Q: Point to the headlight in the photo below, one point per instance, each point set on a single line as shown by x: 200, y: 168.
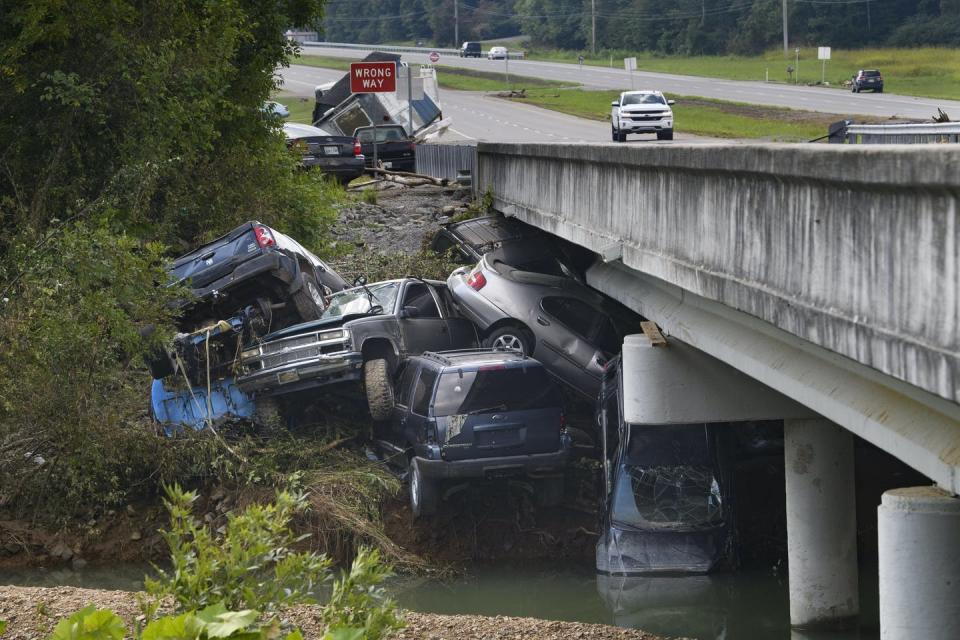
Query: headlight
x: 250, y: 353
x: 337, y: 334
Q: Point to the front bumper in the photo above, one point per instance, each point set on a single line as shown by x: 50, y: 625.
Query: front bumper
x: 304, y: 374
x: 534, y: 465
x: 646, y: 126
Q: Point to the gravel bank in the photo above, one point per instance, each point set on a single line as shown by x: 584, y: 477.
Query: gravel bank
x: 33, y: 611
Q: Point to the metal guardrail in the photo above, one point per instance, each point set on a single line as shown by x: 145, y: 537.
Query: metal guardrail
x: 513, y: 55
x: 903, y: 133
x: 446, y: 160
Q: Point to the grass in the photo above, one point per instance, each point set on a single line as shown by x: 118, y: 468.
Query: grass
x: 931, y: 71
x: 701, y: 116
x: 447, y: 77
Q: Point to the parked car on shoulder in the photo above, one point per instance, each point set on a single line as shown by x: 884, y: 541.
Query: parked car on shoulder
x: 364, y: 335
x: 572, y: 329
x: 395, y: 150
x: 641, y: 112
x: 666, y: 487
x: 497, y: 53
x: 470, y: 50
x: 338, y: 156
x: 867, y: 79
x: 475, y: 414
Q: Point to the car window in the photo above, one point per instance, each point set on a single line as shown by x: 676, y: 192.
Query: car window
x: 423, y: 390
x: 418, y: 295
x: 406, y: 384
x: 495, y: 389
x: 576, y: 315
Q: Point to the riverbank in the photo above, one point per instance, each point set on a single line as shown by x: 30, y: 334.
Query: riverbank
x: 31, y: 613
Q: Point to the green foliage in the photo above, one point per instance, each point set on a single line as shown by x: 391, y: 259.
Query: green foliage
x: 359, y: 607
x: 3, y: 626
x: 90, y: 624
x: 369, y: 196
x: 250, y: 565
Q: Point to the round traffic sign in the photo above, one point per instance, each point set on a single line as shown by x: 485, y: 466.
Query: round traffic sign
x: 434, y: 56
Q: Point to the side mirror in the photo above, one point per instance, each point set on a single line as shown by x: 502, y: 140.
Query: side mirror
x: 614, y: 104
x: 671, y: 101
x: 409, y: 312
x: 359, y: 281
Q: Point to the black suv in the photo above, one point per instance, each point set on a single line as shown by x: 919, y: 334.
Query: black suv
x: 867, y: 79
x: 470, y: 50
x: 477, y: 414
x: 365, y: 333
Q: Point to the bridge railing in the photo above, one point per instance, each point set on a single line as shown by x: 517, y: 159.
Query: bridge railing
x: 945, y: 132
x: 513, y: 55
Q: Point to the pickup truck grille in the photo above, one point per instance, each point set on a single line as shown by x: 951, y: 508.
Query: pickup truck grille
x: 289, y: 350
x: 643, y: 117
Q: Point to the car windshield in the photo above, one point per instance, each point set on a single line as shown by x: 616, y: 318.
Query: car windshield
x: 642, y: 98
x: 495, y: 389
x: 667, y: 480
x: 356, y: 301
x: 391, y: 134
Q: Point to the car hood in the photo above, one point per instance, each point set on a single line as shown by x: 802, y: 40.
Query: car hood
x: 645, y: 108
x: 306, y: 327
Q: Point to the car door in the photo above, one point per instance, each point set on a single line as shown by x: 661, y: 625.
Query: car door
x: 463, y: 333
x: 568, y: 327
x: 422, y: 326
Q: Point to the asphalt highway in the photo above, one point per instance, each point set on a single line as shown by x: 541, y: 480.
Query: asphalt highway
x: 826, y: 100
x: 476, y: 117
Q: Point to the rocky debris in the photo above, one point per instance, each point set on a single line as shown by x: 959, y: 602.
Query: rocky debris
x: 32, y: 612
x: 401, y: 219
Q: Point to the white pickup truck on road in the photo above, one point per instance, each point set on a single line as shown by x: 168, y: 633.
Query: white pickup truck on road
x: 641, y: 112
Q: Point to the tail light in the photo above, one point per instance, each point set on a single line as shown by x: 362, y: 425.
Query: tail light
x: 264, y: 237
x: 477, y: 281
x: 357, y: 149
x: 413, y: 146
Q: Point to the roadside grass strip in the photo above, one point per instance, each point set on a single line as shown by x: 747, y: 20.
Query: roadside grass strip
x: 930, y: 71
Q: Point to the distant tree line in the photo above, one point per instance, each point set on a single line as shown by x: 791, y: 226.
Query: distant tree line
x: 693, y: 27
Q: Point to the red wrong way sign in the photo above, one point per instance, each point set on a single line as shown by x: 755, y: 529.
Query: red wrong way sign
x: 434, y: 56
x: 373, y: 77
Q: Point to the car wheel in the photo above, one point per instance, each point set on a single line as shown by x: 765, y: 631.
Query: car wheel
x: 614, y: 134
x: 423, y: 492
x: 880, y: 90
x: 376, y: 379
x: 665, y: 135
x: 550, y: 491
x: 510, y: 338
x: 308, y: 299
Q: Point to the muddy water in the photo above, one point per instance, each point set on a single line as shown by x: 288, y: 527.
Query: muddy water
x: 747, y: 605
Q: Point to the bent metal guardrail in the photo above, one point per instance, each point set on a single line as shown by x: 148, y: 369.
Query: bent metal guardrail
x: 944, y: 132
x: 513, y: 55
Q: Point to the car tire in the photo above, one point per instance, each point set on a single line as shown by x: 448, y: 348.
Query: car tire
x: 665, y: 135
x: 550, y: 491
x: 880, y: 90
x: 510, y: 338
x: 424, y: 496
x: 376, y: 379
x: 308, y: 298
x: 614, y: 134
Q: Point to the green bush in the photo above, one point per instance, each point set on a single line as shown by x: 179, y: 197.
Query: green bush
x: 359, y: 602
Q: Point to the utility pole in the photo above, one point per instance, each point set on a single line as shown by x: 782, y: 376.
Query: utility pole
x: 593, y: 27
x: 786, y: 39
x: 456, y: 24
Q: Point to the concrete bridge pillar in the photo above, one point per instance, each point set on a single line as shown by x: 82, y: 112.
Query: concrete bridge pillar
x: 821, y: 524
x: 919, y: 553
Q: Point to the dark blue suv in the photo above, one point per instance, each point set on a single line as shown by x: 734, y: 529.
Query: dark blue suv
x: 477, y: 414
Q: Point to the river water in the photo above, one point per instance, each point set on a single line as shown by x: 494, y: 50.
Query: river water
x: 745, y: 605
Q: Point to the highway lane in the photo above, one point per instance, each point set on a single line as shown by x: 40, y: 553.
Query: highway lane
x: 783, y: 95
x: 476, y: 117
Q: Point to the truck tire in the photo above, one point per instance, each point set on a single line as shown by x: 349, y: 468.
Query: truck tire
x: 614, y: 134
x: 308, y: 298
x: 376, y: 379
x: 666, y: 134
x: 510, y: 337
x: 550, y: 491
x: 423, y: 492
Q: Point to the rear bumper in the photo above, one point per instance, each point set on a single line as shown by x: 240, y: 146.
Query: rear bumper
x: 270, y: 261
x: 340, y: 167
x: 304, y: 374
x: 534, y: 465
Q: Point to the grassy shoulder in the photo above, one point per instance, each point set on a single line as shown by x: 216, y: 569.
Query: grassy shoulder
x: 447, y: 77
x: 700, y: 116
x: 931, y: 71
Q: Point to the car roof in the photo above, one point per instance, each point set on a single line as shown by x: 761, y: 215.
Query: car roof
x: 294, y: 130
x: 479, y: 232
x: 476, y: 357
x: 644, y: 91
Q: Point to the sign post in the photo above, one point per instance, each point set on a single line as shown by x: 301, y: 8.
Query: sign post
x: 823, y: 53
x: 796, y: 79
x: 631, y: 65
x: 373, y: 77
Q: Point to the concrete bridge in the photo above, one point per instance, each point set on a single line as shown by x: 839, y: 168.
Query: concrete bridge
x: 829, y: 273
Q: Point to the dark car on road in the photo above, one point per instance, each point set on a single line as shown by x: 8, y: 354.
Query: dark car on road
x: 395, y: 150
x: 338, y: 156
x: 867, y: 79
x: 667, y: 503
x: 470, y: 50
x: 365, y: 334
x: 572, y: 329
x: 476, y: 414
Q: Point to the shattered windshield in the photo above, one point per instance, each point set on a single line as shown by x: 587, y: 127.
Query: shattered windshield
x: 667, y: 480
x: 356, y: 301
